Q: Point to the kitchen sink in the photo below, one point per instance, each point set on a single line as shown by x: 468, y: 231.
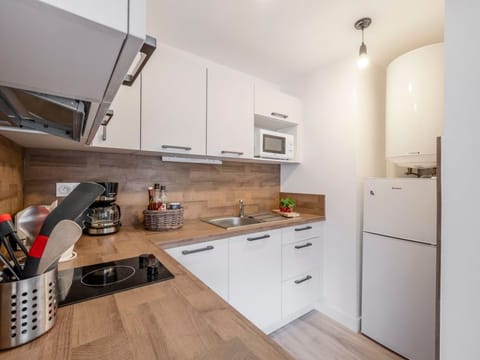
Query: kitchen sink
x: 229, y: 222
x: 232, y: 221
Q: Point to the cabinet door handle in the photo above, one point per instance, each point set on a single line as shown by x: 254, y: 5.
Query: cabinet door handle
x: 104, y: 123
x: 206, y: 248
x: 232, y: 152
x: 186, y: 148
x: 258, y: 238
x: 148, y: 47
x: 283, y: 116
x: 304, y: 228
x: 414, y: 153
x: 306, y: 278
x: 303, y: 246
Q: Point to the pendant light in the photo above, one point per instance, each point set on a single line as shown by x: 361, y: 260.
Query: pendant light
x: 363, y: 60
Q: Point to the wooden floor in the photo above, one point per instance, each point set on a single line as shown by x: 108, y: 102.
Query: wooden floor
x: 315, y: 336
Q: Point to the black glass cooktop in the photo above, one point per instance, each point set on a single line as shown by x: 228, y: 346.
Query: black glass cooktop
x: 88, y: 282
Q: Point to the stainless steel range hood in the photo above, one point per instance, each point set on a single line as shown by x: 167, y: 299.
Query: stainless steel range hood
x: 62, y: 62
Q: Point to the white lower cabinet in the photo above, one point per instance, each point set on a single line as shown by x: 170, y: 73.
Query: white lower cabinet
x: 270, y: 277
x: 301, y: 256
x: 301, y: 269
x: 208, y: 261
x: 300, y: 293
x: 301, y: 232
x: 255, y: 277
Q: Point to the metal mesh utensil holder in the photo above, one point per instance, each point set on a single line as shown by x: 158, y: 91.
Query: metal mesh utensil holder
x: 28, y: 308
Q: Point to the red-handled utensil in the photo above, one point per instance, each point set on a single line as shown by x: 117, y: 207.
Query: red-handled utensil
x: 7, y: 230
x: 71, y: 208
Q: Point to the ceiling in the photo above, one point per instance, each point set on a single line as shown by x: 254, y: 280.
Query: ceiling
x: 280, y: 40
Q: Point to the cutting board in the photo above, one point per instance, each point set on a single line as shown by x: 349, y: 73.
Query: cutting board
x: 286, y: 214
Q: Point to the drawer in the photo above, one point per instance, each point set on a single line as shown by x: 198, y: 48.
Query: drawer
x: 302, y: 232
x: 208, y: 261
x: 301, y: 292
x: 300, y: 256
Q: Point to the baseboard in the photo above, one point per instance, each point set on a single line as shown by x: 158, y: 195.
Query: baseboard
x: 353, y: 323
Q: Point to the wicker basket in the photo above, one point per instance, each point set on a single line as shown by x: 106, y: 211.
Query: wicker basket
x: 163, y: 220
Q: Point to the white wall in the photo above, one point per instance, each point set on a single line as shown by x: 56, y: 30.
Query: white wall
x: 343, y: 142
x: 460, y: 293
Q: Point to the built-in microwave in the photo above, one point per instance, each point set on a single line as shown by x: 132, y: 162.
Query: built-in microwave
x: 274, y: 145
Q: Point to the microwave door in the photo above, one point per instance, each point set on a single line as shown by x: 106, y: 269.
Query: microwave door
x: 274, y: 144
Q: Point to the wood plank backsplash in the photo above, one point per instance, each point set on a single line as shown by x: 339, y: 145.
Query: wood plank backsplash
x: 204, y: 190
x: 11, y: 176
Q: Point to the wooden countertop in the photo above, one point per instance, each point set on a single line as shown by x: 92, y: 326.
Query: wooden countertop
x: 175, y: 319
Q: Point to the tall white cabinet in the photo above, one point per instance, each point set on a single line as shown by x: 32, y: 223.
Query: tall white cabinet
x: 229, y: 113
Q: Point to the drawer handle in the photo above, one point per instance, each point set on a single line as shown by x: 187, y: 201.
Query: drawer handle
x: 186, y: 148
x: 239, y: 153
x: 306, y: 278
x: 303, y: 246
x: 206, y: 248
x: 258, y: 238
x: 280, y: 115
x: 304, y: 228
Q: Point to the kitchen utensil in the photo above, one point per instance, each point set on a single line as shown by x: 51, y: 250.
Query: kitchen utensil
x: 71, y: 208
x: 68, y: 255
x: 16, y: 265
x: 9, y: 266
x: 28, y: 308
x: 7, y: 230
x: 29, y: 221
x: 65, y: 234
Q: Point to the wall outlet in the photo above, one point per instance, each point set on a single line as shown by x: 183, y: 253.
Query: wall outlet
x: 63, y: 189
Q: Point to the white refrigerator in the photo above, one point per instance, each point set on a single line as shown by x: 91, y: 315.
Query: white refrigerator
x: 398, y: 265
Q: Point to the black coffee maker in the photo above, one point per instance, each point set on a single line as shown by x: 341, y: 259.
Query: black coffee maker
x: 103, y: 216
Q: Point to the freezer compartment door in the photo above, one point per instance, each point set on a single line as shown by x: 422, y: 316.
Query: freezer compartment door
x: 402, y: 208
x: 398, y: 295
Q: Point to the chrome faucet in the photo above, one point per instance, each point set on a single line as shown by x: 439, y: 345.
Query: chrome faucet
x: 242, y: 209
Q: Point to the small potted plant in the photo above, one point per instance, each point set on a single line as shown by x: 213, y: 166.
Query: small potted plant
x: 287, y: 205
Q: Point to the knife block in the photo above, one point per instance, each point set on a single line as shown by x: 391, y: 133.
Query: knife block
x: 28, y: 308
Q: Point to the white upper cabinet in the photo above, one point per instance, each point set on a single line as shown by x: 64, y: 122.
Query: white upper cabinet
x: 123, y: 129
x: 112, y: 13
x: 229, y: 113
x: 414, y: 106
x: 174, y: 99
x: 276, y: 108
